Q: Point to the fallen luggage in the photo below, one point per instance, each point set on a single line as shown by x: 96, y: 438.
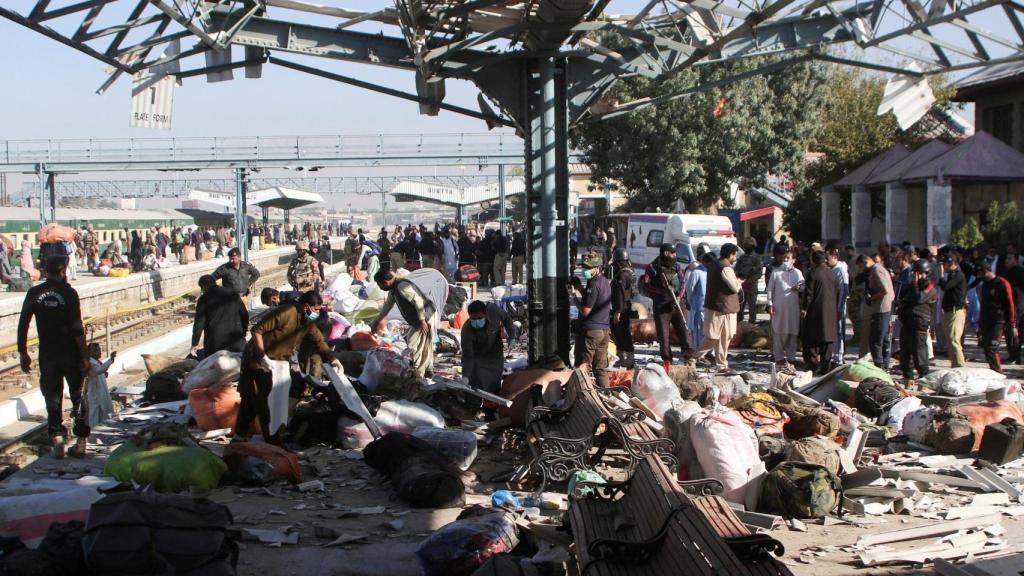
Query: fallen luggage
x: 982, y: 414
x: 221, y: 367
x: 392, y: 416
x: 133, y: 533
x: 467, y: 273
x: 654, y: 387
x: 459, y: 548
x: 727, y: 451
x: 215, y: 408
x: 63, y: 545
x: 419, y: 474
x: 1002, y: 442
x: 874, y: 396
x: 167, y: 468
x: 816, y: 450
x: 165, y: 384
x: 950, y: 432
x: 800, y: 490
x: 458, y: 446
x: 28, y: 516
x: 283, y: 463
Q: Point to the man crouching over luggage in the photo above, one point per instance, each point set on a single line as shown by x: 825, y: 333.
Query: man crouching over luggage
x: 275, y: 338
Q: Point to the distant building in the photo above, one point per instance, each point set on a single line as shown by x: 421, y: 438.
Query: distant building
x: 998, y: 96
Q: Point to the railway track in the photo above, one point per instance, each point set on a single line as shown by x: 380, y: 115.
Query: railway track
x: 125, y: 330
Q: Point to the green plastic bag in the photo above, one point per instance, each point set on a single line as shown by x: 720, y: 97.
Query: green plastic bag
x: 168, y: 468
x: 584, y: 476
x: 863, y: 369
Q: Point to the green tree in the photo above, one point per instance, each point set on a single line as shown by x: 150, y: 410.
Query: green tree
x: 850, y: 132
x: 968, y: 235
x: 693, y: 147
x: 1002, y: 224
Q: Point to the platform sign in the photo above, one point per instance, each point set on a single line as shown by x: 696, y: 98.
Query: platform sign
x: 152, y: 101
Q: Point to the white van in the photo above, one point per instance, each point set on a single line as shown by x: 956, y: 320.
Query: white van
x: 642, y: 234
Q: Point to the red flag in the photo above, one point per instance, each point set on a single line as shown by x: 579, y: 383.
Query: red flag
x: 718, y: 109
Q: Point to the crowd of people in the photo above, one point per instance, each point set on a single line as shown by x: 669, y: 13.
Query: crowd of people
x: 902, y: 302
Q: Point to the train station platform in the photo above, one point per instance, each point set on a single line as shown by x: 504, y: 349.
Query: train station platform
x: 104, y: 295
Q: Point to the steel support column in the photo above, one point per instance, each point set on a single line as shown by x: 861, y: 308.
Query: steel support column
x: 501, y: 198
x: 383, y: 209
x: 547, y: 199
x: 42, y: 194
x: 51, y: 184
x: 241, y: 222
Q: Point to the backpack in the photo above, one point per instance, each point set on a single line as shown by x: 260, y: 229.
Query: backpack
x: 950, y: 432
x: 800, y: 490
x: 19, y: 284
x: 147, y: 533
x: 467, y: 273
x: 875, y: 396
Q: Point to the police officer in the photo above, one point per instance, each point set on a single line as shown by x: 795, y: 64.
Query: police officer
x: 916, y: 307
x: 62, y: 353
x: 663, y: 282
x: 623, y: 291
x: 997, y: 312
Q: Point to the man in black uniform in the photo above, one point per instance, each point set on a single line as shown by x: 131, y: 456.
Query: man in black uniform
x: 663, y: 282
x: 237, y: 275
x: 1014, y: 274
x: 221, y: 319
x: 623, y: 291
x: 997, y: 312
x: 62, y: 352
x: 916, y: 308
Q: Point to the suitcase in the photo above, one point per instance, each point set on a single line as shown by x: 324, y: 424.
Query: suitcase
x: 1002, y: 442
x: 467, y: 273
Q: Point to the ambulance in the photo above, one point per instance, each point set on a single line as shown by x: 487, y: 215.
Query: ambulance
x: 642, y: 234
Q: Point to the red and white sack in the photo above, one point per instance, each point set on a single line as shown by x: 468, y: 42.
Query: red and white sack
x: 382, y: 362
x: 656, y: 389
x: 726, y: 448
x: 29, y: 517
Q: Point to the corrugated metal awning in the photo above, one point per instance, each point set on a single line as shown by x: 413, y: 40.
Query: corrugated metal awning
x: 759, y: 213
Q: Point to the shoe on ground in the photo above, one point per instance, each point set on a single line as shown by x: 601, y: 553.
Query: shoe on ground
x: 78, y: 450
x: 58, y: 447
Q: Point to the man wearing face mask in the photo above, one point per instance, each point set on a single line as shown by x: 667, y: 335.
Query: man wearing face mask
x: 595, y: 310
x: 916, y: 306
x: 62, y: 351
x: 723, y: 304
x: 275, y: 338
x: 663, y: 283
x: 483, y: 351
x: 418, y: 312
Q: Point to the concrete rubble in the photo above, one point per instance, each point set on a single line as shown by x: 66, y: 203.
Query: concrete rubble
x: 900, y: 504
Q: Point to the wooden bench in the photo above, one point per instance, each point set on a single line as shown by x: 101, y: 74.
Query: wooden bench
x: 562, y: 438
x: 648, y: 526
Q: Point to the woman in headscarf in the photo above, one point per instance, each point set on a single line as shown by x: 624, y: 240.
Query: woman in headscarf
x: 136, y: 254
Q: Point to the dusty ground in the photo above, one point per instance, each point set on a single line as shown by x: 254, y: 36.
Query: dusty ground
x: 375, y: 541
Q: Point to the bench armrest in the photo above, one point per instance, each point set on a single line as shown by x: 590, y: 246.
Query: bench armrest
x: 702, y: 487
x: 755, y: 547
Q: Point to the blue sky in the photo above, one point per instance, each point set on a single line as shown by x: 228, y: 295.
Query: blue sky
x: 50, y: 93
